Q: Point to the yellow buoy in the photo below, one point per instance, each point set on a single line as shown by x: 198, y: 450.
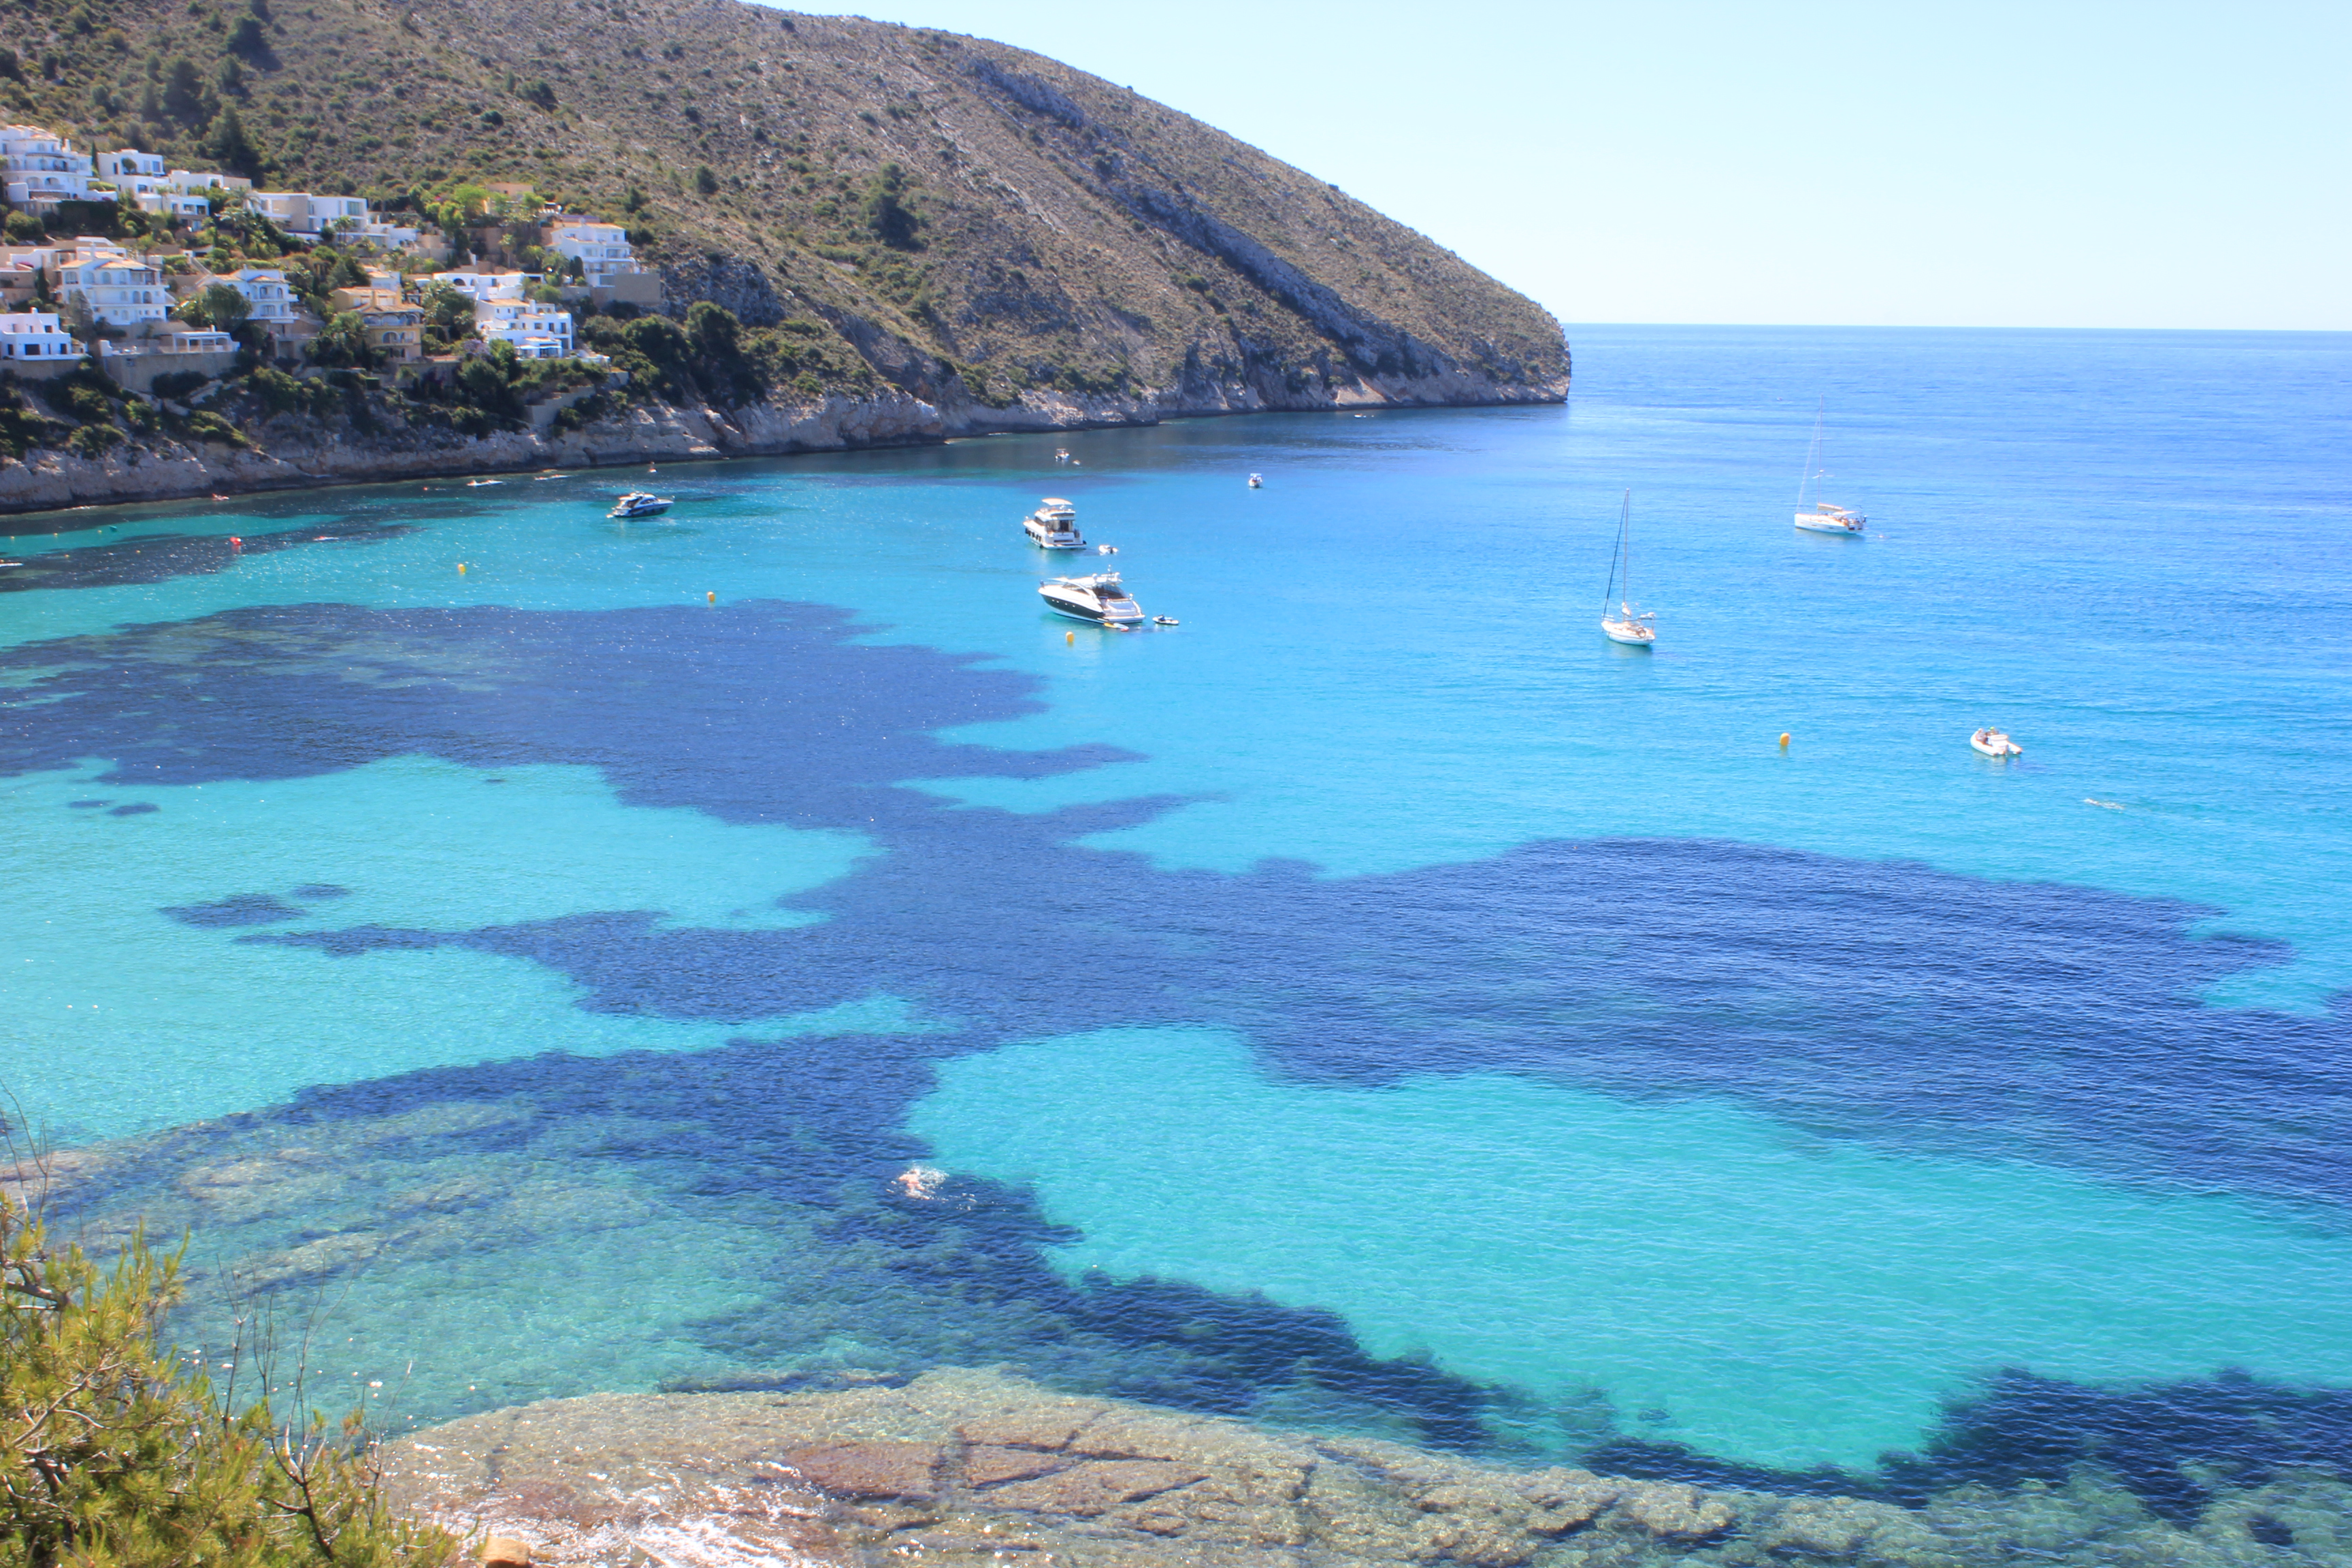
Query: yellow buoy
x: 710, y: 598
x: 1069, y: 637
x: 461, y: 569
x: 1784, y: 739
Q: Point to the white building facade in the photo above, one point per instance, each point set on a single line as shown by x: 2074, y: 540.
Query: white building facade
x: 299, y: 212
x: 602, y: 249
x: 39, y: 169
x: 525, y: 322
x: 113, y: 285
x: 264, y: 290
x: 37, y: 335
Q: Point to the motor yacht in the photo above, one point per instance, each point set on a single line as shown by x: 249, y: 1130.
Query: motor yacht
x: 1257, y: 482
x: 641, y: 503
x: 1991, y: 743
x: 1054, y: 525
x: 1098, y: 599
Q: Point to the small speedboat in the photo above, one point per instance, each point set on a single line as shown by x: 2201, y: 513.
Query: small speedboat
x: 1991, y: 743
x: 1099, y: 600
x: 1256, y: 483
x: 1061, y: 454
x: 477, y: 484
x: 1054, y: 525
x: 641, y: 503
x: 1163, y: 620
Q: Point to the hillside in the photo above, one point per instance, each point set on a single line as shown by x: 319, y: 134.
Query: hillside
x: 1008, y: 239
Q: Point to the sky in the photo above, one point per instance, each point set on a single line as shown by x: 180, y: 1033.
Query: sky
x: 2053, y: 164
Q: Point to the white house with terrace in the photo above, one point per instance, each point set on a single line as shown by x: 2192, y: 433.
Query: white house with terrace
x: 536, y: 331
x: 114, y: 286
x: 264, y: 290
x: 299, y: 212
x: 602, y: 249
x: 37, y: 335
x: 39, y: 169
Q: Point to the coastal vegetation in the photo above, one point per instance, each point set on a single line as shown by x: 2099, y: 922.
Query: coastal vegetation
x: 116, y: 1449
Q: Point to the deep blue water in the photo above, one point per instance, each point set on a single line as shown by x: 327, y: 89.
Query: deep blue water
x: 1378, y: 1001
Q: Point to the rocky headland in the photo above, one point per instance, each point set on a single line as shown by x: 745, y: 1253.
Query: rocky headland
x: 918, y: 235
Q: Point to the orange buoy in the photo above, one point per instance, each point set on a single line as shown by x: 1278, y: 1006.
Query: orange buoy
x: 461, y: 569
x: 1784, y: 739
x: 710, y: 598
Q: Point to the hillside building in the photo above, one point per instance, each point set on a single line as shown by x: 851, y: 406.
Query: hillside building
x: 394, y: 326
x: 299, y: 212
x: 39, y: 169
x: 114, y: 286
x: 603, y: 250
x: 264, y: 290
x: 37, y: 335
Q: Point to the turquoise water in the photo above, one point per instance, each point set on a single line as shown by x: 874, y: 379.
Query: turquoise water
x: 1380, y: 954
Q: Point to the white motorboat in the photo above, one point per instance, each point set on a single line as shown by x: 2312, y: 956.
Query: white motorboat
x: 1256, y: 483
x: 1054, y: 525
x: 641, y: 503
x: 1627, y: 625
x: 1823, y: 517
x: 478, y: 484
x: 1061, y: 454
x: 1991, y: 743
x: 1098, y: 599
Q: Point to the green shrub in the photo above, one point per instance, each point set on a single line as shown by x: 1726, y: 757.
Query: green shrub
x: 206, y: 426
x: 706, y: 181
x: 21, y: 428
x: 177, y: 383
x: 113, y: 1451
x: 94, y: 440
x: 88, y: 403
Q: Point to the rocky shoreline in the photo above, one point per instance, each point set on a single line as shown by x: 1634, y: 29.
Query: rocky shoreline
x: 295, y: 455
x: 965, y: 1468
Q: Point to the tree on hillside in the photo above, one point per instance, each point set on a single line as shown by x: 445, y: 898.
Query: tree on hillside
x: 183, y: 93
x: 343, y: 341
x: 892, y: 223
x: 230, y: 145
x: 114, y: 1451
x: 217, y: 306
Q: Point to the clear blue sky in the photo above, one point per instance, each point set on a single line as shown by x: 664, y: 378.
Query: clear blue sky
x: 1965, y: 164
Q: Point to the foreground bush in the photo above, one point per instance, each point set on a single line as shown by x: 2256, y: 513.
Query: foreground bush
x: 113, y: 1453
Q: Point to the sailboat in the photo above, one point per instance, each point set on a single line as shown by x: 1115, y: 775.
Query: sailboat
x: 1824, y: 518
x: 1627, y: 626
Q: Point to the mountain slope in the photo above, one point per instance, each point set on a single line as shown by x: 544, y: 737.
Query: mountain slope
x: 988, y: 228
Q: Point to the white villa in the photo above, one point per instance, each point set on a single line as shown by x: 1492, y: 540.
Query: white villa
x: 39, y: 168
x: 36, y: 334
x: 141, y: 176
x: 536, y: 331
x: 602, y: 248
x: 299, y: 212
x: 264, y: 290
x: 482, y: 286
x: 116, y: 286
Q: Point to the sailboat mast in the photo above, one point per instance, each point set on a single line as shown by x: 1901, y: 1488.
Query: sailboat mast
x: 1812, y: 453
x: 1616, y: 550
x: 1625, y: 533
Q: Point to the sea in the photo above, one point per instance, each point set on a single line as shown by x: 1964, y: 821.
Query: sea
x: 761, y: 947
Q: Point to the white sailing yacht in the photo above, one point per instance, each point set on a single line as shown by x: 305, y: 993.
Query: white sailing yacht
x: 1824, y: 518
x: 1627, y: 626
